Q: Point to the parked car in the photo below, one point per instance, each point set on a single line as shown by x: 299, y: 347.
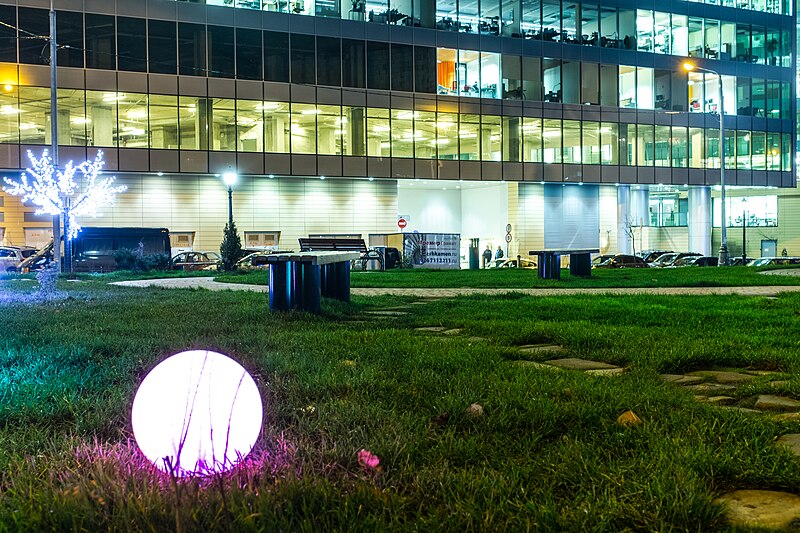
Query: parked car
x: 191, y: 261
x: 699, y: 261
x: 767, y: 261
x: 512, y: 263
x: 12, y: 256
x: 254, y: 261
x: 651, y: 255
x: 600, y: 259
x: 671, y: 259
x: 38, y: 261
x: 682, y: 259
x: 93, y: 249
x: 624, y: 261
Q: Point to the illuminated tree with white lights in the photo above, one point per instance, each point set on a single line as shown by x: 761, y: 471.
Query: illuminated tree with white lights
x: 55, y: 192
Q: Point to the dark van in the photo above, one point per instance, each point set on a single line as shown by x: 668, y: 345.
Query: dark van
x: 93, y: 248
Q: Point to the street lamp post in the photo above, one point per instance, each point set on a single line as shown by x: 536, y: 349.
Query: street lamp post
x: 54, y: 134
x: 744, y: 233
x: 723, y: 247
x: 229, y: 178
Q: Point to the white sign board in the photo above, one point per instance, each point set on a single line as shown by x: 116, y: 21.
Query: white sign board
x: 432, y: 250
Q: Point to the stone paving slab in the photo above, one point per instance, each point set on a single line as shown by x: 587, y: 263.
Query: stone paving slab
x: 776, y: 403
x: 722, y: 377
x: 534, y: 364
x: 608, y: 372
x: 432, y: 329
x: 761, y: 508
x: 574, y: 363
x: 680, y: 379
x: 790, y: 441
x: 709, y: 387
x: 540, y: 348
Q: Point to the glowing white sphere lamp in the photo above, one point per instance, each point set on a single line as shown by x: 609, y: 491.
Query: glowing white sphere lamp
x: 197, y: 413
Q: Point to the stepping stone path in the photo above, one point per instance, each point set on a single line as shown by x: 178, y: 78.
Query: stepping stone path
x: 761, y: 508
x: 596, y: 368
x: 387, y: 313
x: 716, y: 387
x: 540, y: 348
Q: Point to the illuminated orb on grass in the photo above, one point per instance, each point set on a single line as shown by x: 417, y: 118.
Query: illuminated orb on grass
x: 197, y: 413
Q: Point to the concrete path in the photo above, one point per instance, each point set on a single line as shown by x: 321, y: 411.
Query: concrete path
x: 192, y: 283
x: 210, y: 284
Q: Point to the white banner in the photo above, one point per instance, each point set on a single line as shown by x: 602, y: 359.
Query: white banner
x: 432, y: 250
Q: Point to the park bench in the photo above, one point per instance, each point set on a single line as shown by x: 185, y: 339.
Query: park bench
x: 341, y: 244
x: 297, y: 280
x: 549, y: 263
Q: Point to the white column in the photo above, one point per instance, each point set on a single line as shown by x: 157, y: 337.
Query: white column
x: 624, y: 245
x: 699, y: 219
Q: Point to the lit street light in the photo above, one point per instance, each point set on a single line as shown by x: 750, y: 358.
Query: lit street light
x: 723, y: 247
x: 229, y: 179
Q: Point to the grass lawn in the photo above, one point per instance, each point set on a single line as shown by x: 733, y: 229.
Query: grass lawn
x: 515, y: 278
x: 547, y: 455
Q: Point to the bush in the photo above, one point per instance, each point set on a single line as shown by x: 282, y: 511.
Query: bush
x: 138, y: 261
x: 231, y: 248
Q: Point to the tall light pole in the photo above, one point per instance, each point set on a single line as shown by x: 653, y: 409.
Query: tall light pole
x: 744, y: 232
x: 723, y: 247
x: 54, y: 131
x: 229, y: 179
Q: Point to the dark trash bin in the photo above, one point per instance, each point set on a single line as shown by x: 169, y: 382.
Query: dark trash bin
x: 474, y: 254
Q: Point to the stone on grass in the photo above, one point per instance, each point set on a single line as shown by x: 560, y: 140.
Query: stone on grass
x: 786, y: 417
x: 680, y: 379
x: 475, y: 410
x: 433, y: 329
x: 721, y: 400
x: 628, y: 418
x: 791, y: 441
x: 778, y: 384
x: 761, y: 508
x: 740, y: 409
x: 534, y: 364
x: 574, y: 363
x: 387, y: 313
x: 709, y: 387
x: 476, y: 339
x: 541, y: 348
x: 776, y: 403
x: 454, y: 331
x: 716, y: 400
x: 608, y: 372
x: 723, y: 377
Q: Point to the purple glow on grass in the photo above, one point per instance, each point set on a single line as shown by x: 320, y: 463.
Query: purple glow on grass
x: 197, y: 413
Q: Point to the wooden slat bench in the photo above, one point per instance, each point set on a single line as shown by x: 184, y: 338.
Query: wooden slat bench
x: 341, y: 244
x: 297, y: 280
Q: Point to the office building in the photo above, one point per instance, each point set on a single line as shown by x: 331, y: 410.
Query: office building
x: 566, y: 119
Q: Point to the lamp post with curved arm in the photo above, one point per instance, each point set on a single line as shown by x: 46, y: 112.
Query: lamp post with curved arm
x: 723, y: 247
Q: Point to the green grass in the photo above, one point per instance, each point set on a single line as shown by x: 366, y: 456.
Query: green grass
x: 513, y: 278
x: 547, y: 455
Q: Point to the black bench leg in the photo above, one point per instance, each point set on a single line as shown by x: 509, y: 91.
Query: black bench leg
x: 580, y: 265
x: 340, y: 274
x: 306, y: 283
x: 335, y: 280
x: 281, y: 297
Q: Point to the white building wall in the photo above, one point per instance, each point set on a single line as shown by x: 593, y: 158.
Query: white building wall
x: 484, y: 214
x: 293, y: 206
x: 430, y: 210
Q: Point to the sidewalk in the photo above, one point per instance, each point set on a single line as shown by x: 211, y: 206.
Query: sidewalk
x: 210, y: 284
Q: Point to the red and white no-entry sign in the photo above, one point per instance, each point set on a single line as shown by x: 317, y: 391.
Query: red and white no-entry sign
x: 402, y: 223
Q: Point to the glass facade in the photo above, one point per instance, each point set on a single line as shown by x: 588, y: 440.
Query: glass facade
x: 132, y: 120
x: 485, y: 17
